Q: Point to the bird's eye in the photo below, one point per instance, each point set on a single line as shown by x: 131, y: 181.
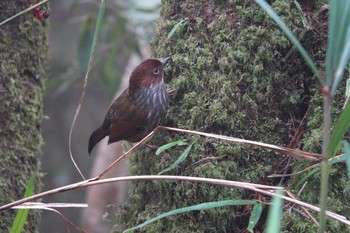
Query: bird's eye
x: 156, y: 71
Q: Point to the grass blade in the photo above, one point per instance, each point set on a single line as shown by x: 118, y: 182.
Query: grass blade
x: 274, y: 218
x: 178, y: 27
x: 338, y: 51
x: 203, y: 206
x: 254, y: 217
x: 22, y: 214
x: 169, y: 145
x: 340, y: 129
x: 178, y: 161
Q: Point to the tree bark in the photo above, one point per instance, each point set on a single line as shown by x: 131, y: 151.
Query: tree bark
x: 23, y: 55
x: 234, y: 73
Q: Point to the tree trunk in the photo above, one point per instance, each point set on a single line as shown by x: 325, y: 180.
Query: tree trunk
x: 23, y: 54
x: 235, y: 74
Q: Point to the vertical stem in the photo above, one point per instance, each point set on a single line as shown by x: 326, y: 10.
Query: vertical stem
x: 324, y: 174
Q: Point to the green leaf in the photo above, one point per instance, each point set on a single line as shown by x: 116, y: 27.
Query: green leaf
x: 338, y: 50
x: 254, y: 217
x: 274, y: 217
x: 203, y: 206
x: 340, y: 129
x: 291, y: 37
x: 347, y: 156
x: 178, y: 27
x: 99, y: 22
x: 178, y: 161
x: 301, y: 13
x: 171, y: 144
x: 22, y: 214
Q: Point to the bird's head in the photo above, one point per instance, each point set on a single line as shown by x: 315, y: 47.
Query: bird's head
x: 148, y: 74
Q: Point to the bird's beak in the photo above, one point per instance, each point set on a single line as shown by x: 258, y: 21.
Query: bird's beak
x: 165, y: 60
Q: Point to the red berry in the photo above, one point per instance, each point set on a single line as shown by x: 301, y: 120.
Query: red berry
x: 46, y: 15
x: 39, y: 15
x: 326, y: 90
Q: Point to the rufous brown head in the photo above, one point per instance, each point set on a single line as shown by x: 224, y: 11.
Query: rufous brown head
x: 148, y: 74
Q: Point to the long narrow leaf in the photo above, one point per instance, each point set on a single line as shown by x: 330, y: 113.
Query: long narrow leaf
x: 254, y: 217
x: 178, y: 27
x: 274, y: 218
x: 291, y: 37
x: 99, y: 22
x: 22, y: 214
x: 169, y: 145
x: 338, y: 51
x: 178, y: 161
x: 340, y: 129
x: 203, y: 206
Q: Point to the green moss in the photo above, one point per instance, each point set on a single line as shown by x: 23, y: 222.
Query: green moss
x: 23, y: 45
x: 230, y: 78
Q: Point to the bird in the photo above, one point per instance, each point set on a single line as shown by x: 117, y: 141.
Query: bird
x: 139, y: 109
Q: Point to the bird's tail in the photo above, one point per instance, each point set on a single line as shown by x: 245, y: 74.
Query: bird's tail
x: 95, y: 137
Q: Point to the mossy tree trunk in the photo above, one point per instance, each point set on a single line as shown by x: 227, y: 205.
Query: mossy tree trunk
x: 23, y: 54
x: 233, y: 75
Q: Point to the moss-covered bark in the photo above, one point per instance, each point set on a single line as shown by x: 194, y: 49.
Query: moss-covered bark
x: 23, y: 54
x: 232, y: 76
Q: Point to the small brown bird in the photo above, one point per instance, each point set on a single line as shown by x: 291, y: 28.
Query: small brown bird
x: 139, y: 109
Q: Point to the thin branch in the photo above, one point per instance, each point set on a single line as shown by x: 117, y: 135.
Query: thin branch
x: 305, y: 169
x: 307, y: 213
x: 127, y: 154
x: 66, y: 220
x: 283, y: 150
x: 264, y: 189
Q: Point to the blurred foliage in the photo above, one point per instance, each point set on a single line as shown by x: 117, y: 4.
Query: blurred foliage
x: 125, y: 25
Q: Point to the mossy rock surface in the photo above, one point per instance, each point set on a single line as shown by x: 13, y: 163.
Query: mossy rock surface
x: 23, y: 55
x: 234, y: 73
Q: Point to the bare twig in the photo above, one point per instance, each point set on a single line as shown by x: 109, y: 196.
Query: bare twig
x: 95, y: 181
x: 127, y: 154
x: 264, y: 189
x: 283, y: 150
x: 304, y: 209
x: 304, y: 170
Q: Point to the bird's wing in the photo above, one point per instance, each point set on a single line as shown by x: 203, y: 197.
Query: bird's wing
x: 124, y: 120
